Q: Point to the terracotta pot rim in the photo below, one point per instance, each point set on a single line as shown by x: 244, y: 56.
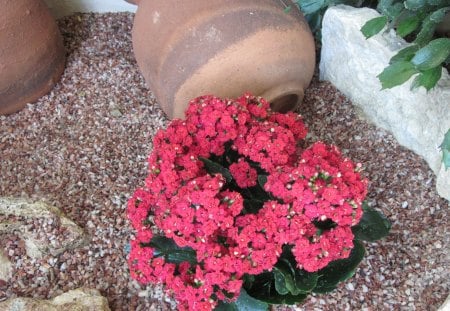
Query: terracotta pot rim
x: 285, y: 97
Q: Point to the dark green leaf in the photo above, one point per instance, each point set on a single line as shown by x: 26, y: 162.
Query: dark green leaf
x: 243, y: 303
x: 264, y: 289
x: 171, y: 252
x: 372, y: 226
x: 339, y: 270
x: 414, y: 5
x: 408, y: 25
x: 394, y: 11
x: 404, y: 54
x: 427, y: 78
x: 304, y: 281
x: 262, y: 179
x: 390, y: 9
x: 315, y: 22
x: 384, y: 5
x: 284, y: 282
x: 445, y: 146
x: 287, y: 9
x: 248, y: 303
x: 216, y: 168
x: 223, y: 306
x: 373, y: 26
x: 311, y: 6
x: 446, y: 158
x: 252, y: 206
x: 396, y: 74
x: 429, y: 24
x: 432, y: 55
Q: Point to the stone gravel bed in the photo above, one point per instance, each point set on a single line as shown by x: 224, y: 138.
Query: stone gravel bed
x: 83, y: 149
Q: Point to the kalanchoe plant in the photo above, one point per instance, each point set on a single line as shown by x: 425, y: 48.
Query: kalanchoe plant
x: 237, y: 215
x: 416, y: 20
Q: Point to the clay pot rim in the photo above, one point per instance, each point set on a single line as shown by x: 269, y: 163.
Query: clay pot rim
x: 284, y: 97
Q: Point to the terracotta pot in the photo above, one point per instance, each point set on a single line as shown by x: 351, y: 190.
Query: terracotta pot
x: 32, y: 54
x: 190, y: 48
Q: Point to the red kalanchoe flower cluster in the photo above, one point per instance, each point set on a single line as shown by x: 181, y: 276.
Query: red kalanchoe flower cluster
x: 212, y: 212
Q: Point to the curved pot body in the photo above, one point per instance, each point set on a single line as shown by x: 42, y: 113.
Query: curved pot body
x: 190, y: 48
x: 32, y: 54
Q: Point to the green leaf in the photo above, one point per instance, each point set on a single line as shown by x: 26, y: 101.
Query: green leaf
x: 339, y: 270
x: 252, y: 206
x: 223, y: 306
x: 408, y: 25
x: 427, y: 78
x: 432, y: 55
x: 396, y: 74
x: 304, y: 281
x: 315, y: 22
x: 414, y: 5
x: 445, y: 146
x: 243, y: 303
x: 372, y: 226
x: 311, y: 6
x: 263, y: 288
x: 429, y: 24
x: 216, y: 168
x: 390, y: 9
x: 284, y: 281
x: 262, y: 179
x: 404, y: 54
x: 373, y: 26
x: 167, y: 248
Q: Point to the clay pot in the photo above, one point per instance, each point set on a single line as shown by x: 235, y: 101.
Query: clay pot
x: 185, y: 49
x: 32, y: 54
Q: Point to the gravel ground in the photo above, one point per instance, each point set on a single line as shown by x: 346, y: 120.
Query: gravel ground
x: 83, y: 148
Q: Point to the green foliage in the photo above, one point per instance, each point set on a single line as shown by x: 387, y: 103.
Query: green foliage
x: 340, y: 270
x: 445, y: 146
x: 243, y: 303
x: 374, y: 26
x: 167, y: 248
x: 416, y: 20
x: 396, y: 74
x: 372, y: 226
x: 215, y: 168
x: 314, y: 9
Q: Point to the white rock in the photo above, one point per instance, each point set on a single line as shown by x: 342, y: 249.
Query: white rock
x: 417, y: 119
x: 36, y: 246
x: 5, y: 267
x: 82, y: 299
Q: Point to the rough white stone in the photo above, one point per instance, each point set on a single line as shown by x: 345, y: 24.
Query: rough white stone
x: 5, y: 267
x: 82, y: 299
x: 24, y: 210
x: 417, y: 119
